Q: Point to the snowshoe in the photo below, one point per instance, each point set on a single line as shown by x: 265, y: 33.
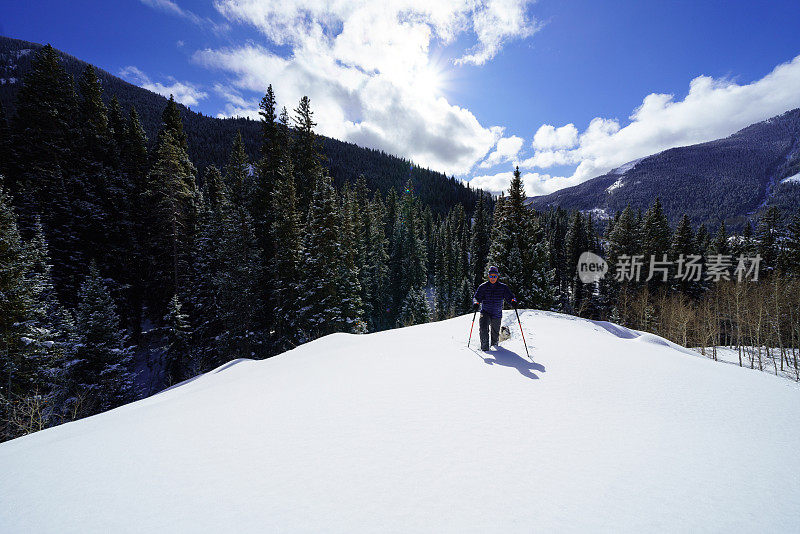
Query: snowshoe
x: 505, y: 333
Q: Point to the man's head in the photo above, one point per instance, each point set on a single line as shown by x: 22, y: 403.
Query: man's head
x: 493, y: 274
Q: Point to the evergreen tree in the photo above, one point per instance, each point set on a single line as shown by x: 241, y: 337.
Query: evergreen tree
x: 556, y: 226
x: 95, y: 134
x: 274, y: 152
x: 237, y: 293
x: 215, y: 192
x: 203, y: 304
x: 45, y: 132
x: 459, y: 246
x: 519, y: 249
x: 479, y: 247
x: 624, y: 237
x: 428, y: 230
x: 655, y: 239
x: 414, y: 309
x: 683, y: 246
x: 720, y: 244
x: 622, y: 240
x: 443, y: 270
x: 791, y: 256
x: 464, y: 302
x: 270, y: 174
x: 36, y: 333
x: 768, y: 227
x: 49, y: 327
x: 376, y: 266
x: 117, y: 132
x: 95, y: 193
x: 655, y: 231
x: 177, y: 351
x: 359, y: 198
x: 134, y: 164
x: 104, y: 209
x: 320, y: 269
x: 169, y: 197
x: 451, y: 264
x: 100, y: 369
x: 349, y: 276
x: 392, y: 208
x: 285, y: 233
x: 44, y: 127
x: 237, y: 173
x: 134, y: 150
x: 599, y: 303
x: 171, y: 201
x: 702, y: 240
x: 172, y: 125
x: 15, y: 303
x: 541, y: 287
x: 268, y: 111
x: 407, y: 268
x: 499, y: 236
x: 5, y: 144
x: 306, y: 154
x: 683, y: 241
x: 747, y: 245
x: 576, y: 244
x: 592, y: 239
x: 240, y: 267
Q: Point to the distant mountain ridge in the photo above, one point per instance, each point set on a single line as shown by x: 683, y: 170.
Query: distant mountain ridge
x: 210, y: 138
x: 730, y: 179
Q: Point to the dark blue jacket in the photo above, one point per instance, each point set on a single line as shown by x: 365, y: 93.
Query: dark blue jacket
x: 491, y: 297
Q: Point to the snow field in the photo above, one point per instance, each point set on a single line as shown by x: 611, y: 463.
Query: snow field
x: 411, y: 431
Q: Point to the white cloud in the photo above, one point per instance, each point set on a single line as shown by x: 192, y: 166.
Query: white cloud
x: 369, y: 70
x: 533, y: 182
x: 549, y: 137
x: 184, y: 92
x: 547, y: 158
x: 493, y: 183
x: 236, y: 104
x: 495, y: 23
x: 506, y: 149
x: 170, y: 7
x: 712, y: 109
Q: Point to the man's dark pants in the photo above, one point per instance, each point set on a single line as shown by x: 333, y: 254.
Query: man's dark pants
x: 485, y: 322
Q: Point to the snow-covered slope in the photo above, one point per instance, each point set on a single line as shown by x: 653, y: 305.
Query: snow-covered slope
x: 791, y: 179
x: 410, y: 431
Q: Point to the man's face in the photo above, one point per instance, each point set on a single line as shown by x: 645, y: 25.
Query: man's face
x: 493, y: 277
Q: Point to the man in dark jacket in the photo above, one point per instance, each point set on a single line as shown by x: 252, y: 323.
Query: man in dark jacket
x: 490, y: 296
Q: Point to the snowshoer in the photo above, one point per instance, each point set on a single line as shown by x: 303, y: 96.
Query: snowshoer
x: 489, y: 298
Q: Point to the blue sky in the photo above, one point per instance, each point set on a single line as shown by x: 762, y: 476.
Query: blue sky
x: 566, y: 89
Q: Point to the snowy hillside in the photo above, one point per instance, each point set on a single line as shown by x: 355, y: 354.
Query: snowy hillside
x: 410, y: 431
x: 729, y: 178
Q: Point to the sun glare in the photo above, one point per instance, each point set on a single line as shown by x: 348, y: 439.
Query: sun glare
x: 431, y: 78
x: 428, y: 79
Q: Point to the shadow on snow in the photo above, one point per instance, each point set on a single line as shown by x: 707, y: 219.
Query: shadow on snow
x: 506, y: 358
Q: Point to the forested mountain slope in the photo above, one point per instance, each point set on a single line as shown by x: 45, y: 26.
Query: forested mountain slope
x: 210, y: 138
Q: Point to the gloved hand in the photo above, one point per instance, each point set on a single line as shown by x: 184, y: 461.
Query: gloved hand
x: 475, y: 306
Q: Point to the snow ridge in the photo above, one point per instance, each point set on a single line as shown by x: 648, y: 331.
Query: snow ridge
x: 791, y: 179
x: 409, y: 430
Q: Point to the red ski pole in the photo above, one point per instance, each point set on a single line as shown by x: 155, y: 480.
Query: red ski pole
x: 470, y: 328
x: 521, y: 332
